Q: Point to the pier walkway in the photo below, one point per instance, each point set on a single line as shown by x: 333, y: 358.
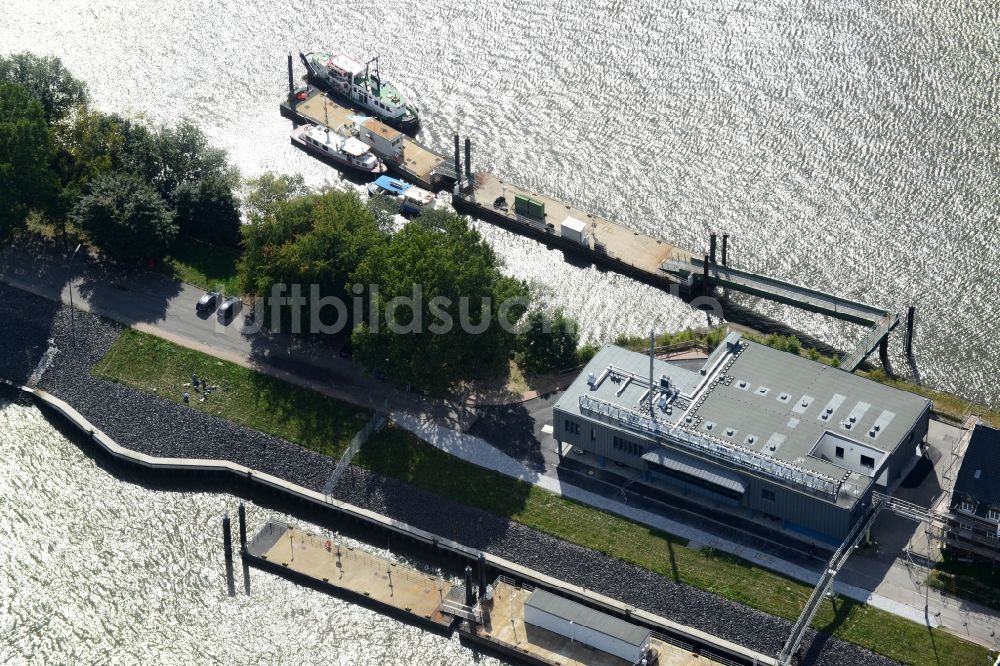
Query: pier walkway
x: 880, y: 322
x: 603, y: 241
x: 777, y: 290
x: 354, y: 572
x: 506, y: 628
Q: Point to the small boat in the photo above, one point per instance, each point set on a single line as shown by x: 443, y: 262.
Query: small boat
x: 361, y: 85
x: 415, y: 200
x: 387, y: 185
x: 343, y: 151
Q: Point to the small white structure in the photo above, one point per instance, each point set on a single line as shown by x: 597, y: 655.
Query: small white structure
x: 574, y: 230
x: 585, y: 625
x: 384, y: 140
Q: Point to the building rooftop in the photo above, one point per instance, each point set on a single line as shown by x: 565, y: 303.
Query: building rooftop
x: 583, y: 616
x: 778, y: 412
x: 979, y: 477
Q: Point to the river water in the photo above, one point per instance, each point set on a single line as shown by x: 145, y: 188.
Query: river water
x: 96, y: 570
x: 849, y: 145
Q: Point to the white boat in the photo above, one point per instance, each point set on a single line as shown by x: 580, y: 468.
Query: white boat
x: 415, y: 199
x: 343, y: 151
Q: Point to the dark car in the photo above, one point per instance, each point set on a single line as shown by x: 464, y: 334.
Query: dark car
x: 207, y: 303
x: 230, y: 308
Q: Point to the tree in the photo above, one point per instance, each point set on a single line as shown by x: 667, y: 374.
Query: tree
x: 179, y: 154
x: 26, y: 179
x: 208, y: 210
x: 267, y: 192
x: 125, y: 218
x: 548, y: 343
x: 415, y: 345
x: 47, y: 80
x: 316, y: 239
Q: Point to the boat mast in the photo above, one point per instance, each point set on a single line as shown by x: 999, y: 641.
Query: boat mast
x: 377, y: 78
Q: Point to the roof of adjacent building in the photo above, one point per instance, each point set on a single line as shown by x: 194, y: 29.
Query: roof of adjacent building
x: 979, y: 477
x: 582, y: 616
x: 778, y: 404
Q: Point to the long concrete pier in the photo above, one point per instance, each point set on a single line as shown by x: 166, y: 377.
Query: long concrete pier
x: 704, y: 643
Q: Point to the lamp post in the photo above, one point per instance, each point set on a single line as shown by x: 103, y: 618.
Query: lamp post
x: 72, y: 314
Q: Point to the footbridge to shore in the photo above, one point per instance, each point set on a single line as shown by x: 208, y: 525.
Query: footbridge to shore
x: 880, y: 322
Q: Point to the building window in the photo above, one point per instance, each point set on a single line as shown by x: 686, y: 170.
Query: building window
x: 839, y: 452
x: 965, y: 527
x: 593, y: 434
x: 868, y: 461
x: 967, y: 506
x: 572, y: 427
x: 993, y: 535
x: 767, y: 494
x: 993, y: 514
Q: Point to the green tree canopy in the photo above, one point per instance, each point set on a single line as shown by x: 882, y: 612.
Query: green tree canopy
x: 47, y: 80
x: 453, y: 263
x: 268, y: 191
x: 208, y: 210
x: 126, y: 218
x: 26, y: 179
x: 548, y: 342
x: 316, y: 239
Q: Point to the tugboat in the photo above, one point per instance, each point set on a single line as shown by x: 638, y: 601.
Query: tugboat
x: 361, y: 85
x: 343, y: 151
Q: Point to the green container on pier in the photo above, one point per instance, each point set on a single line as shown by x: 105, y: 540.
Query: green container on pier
x: 529, y: 207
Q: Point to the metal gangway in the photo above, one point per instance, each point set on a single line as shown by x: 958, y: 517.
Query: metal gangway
x: 879, y: 321
x: 868, y: 343
x: 825, y: 583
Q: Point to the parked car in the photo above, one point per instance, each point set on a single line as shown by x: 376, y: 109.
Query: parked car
x: 230, y: 308
x: 207, y: 303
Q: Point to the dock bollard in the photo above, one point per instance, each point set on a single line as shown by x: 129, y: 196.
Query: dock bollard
x: 242, y: 514
x: 468, y: 158
x: 482, y: 576
x: 705, y: 286
x: 908, y: 340
x: 227, y: 545
x: 469, y: 601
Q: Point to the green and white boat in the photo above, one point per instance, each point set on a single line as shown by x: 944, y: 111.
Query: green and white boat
x: 361, y: 85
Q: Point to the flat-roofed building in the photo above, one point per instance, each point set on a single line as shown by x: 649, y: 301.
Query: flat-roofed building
x: 754, y: 427
x: 585, y: 625
x: 975, y: 500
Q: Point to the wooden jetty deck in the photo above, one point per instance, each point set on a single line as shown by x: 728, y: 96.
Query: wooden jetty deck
x: 606, y: 243
x: 507, y: 632
x: 354, y: 574
x: 420, y: 165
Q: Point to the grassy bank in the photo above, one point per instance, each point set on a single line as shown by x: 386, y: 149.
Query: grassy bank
x: 203, y: 265
x: 322, y: 424
x: 243, y: 396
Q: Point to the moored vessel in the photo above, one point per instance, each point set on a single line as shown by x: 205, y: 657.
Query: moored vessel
x: 342, y: 151
x: 361, y: 85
